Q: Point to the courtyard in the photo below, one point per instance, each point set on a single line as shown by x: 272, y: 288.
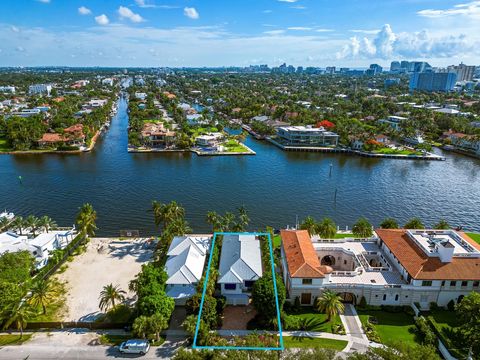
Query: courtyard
x: 105, y: 261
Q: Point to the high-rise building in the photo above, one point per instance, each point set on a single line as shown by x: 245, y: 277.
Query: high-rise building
x: 330, y: 70
x: 391, y: 82
x: 395, y: 66
x: 374, y: 69
x: 433, y: 81
x: 464, y: 72
x: 40, y: 89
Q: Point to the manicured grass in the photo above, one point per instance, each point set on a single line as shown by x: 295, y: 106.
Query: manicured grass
x: 343, y: 236
x: 391, y: 326
x: 389, y: 151
x: 316, y: 321
x: 234, y: 146
x: 306, y: 342
x: 276, y: 241
x: 6, y: 340
x: 474, y: 236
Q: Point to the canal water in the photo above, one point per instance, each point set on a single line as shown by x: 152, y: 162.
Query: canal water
x: 274, y: 186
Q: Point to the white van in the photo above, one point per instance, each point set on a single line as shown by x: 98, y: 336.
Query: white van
x: 134, y: 346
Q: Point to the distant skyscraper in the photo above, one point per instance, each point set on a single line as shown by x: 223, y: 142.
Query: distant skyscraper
x: 374, y: 69
x: 464, y: 72
x: 405, y: 65
x: 330, y: 70
x: 395, y: 66
x: 431, y: 81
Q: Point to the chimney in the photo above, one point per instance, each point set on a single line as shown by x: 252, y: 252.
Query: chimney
x: 445, y: 251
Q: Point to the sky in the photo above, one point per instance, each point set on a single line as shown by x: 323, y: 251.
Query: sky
x: 192, y: 33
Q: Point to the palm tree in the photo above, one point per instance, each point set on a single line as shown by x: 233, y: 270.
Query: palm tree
x: 327, y: 228
x: 42, y: 293
x: 173, y: 212
x: 362, y: 228
x: 109, y: 295
x: 18, y: 224
x: 389, y: 223
x: 442, y: 225
x: 32, y: 222
x: 309, y: 224
x: 86, y: 220
x: 19, y: 315
x: 157, y: 323
x: 140, y: 326
x: 46, y: 223
x: 330, y: 303
x: 243, y: 217
x: 227, y: 220
x: 414, y: 223
x: 214, y: 220
x: 4, y: 222
x: 158, y: 210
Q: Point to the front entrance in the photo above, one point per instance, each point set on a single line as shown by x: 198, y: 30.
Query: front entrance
x: 306, y: 299
x: 348, y: 298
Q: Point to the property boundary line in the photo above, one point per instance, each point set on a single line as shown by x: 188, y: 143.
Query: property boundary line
x: 279, y: 348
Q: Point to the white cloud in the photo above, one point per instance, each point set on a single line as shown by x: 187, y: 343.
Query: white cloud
x: 362, y: 31
x: 82, y: 10
x: 102, y: 19
x: 470, y: 9
x: 288, y: 1
x: 387, y: 45
x: 299, y: 28
x: 191, y: 12
x: 44, y: 1
x: 298, y: 7
x: 274, y: 32
x: 324, y: 30
x: 126, y: 13
x: 15, y: 29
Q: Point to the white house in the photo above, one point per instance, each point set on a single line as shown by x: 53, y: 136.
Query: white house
x: 393, y: 121
x: 395, y: 267
x: 240, y: 266
x: 209, y: 140
x: 40, y: 89
x: 184, y: 266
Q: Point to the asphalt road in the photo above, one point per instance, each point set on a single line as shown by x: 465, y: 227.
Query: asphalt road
x: 77, y: 352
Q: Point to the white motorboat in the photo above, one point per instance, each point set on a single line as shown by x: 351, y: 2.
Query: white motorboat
x: 7, y: 215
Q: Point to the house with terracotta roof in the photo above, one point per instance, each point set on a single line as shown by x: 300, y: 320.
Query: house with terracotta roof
x: 157, y: 135
x: 394, y: 267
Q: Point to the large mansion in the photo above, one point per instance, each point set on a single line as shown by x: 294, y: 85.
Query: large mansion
x: 395, y: 267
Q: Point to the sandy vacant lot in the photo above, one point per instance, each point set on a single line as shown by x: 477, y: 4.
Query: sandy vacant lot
x: 106, y: 261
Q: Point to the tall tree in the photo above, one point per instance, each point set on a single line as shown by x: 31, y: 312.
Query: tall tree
x: 362, y: 228
x: 18, y: 314
x: 86, y: 220
x: 32, y: 223
x: 414, y: 223
x: 468, y: 312
x: 109, y: 295
x: 389, y: 223
x: 442, y: 225
x: 42, y: 293
x: 327, y: 228
x: 18, y: 224
x: 46, y: 223
x: 310, y: 225
x: 330, y: 303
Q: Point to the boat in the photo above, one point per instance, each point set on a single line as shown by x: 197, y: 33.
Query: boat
x: 7, y: 215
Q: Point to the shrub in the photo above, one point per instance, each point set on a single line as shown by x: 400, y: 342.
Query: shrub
x: 297, y: 304
x: 338, y: 329
x: 363, y: 303
x: 290, y: 322
x: 424, y: 331
x: 408, y: 310
x: 434, y: 306
x: 451, y: 305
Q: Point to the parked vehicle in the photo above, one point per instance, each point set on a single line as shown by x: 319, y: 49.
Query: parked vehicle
x: 134, y: 346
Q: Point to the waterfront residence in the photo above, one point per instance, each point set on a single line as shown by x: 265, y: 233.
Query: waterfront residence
x: 40, y: 246
x: 184, y: 266
x: 394, y: 267
x: 210, y: 139
x: 393, y: 121
x: 464, y: 142
x: 156, y: 135
x: 72, y: 136
x: 240, y: 266
x: 306, y: 136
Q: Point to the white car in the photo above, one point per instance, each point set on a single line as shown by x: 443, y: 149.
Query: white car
x: 134, y: 346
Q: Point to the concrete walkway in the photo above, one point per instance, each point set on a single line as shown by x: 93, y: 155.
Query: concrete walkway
x: 358, y: 341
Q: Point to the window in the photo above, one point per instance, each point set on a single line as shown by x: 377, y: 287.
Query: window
x: 426, y: 283
x: 453, y: 283
x: 476, y: 283
x: 249, y: 283
x: 307, y: 281
x: 396, y: 297
x: 464, y: 283
x: 344, y: 262
x: 230, y: 286
x: 384, y: 297
x: 443, y: 283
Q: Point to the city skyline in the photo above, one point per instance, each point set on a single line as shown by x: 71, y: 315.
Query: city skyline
x: 192, y: 33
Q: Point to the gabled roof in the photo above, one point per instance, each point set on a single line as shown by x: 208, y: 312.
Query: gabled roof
x: 186, y: 258
x: 423, y: 267
x: 240, y: 259
x: 302, y: 260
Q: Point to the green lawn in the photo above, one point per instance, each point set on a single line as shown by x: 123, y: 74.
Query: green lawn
x: 234, y: 146
x: 391, y: 326
x: 316, y: 321
x: 445, y: 323
x: 276, y: 241
x: 6, y: 340
x: 474, y: 236
x: 306, y: 342
x: 396, y: 152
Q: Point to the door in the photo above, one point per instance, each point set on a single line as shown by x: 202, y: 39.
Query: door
x: 306, y: 299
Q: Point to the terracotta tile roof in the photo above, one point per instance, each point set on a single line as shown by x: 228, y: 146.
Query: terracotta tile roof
x: 422, y: 267
x: 51, y: 138
x: 302, y: 260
